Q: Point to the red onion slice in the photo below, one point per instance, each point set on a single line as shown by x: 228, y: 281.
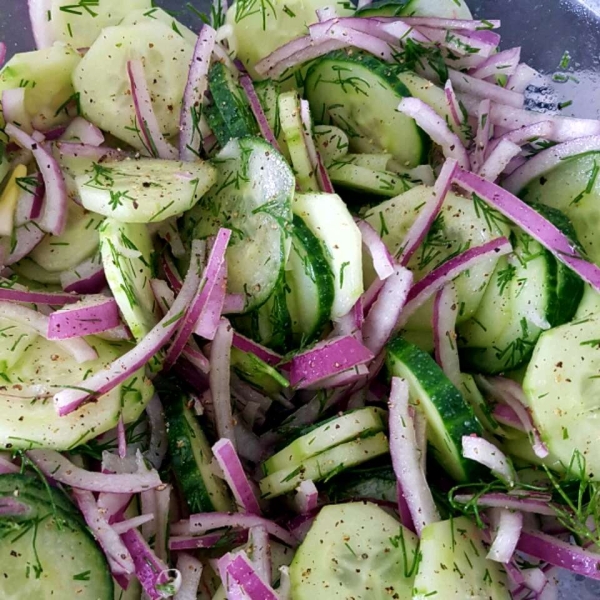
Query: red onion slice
x: 428, y: 213
x: 55, y: 208
x: 382, y: 259
x: 523, y: 503
x: 133, y: 523
x: 258, y: 539
x: 56, y: 466
x: 190, y: 136
x: 502, y: 63
x: 521, y: 78
x: 445, y: 311
x: 436, y: 128
x: 525, y: 135
x: 117, y: 555
x: 482, y: 135
x: 440, y: 23
x: 463, y: 43
x: 561, y: 554
x: 307, y: 497
x: 245, y: 344
x: 440, y: 276
x: 78, y: 348
x: 507, y: 535
x: 121, y: 369
x: 96, y: 153
x: 155, y: 143
x: 12, y: 292
x: 384, y: 314
x: 454, y: 106
x: 484, y: 452
x: 258, y: 112
x: 84, y: 132
x: 41, y: 26
x: 239, y: 568
x: 209, y: 279
x: 191, y: 573
x: 2, y: 53
x: 498, y: 160
x: 236, y: 478
x: 6, y: 466
x: 13, y: 108
x: 327, y: 358
x: 482, y: 89
x: 219, y: 378
x: 93, y: 315
x: 406, y: 459
x: 531, y: 222
x: 210, y: 317
x: 548, y: 159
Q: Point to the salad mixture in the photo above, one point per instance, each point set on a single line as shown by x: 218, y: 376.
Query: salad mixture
x: 304, y: 305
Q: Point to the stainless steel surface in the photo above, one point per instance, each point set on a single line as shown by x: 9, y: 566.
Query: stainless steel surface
x: 545, y: 30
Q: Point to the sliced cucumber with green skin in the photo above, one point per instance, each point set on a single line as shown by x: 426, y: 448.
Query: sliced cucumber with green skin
x: 46, y: 76
x: 333, y: 432
x: 324, y: 465
x: 79, y: 241
x: 449, y: 416
x: 358, y: 178
x: 341, y: 244
x: 128, y: 259
x: 483, y: 411
x: 80, y: 26
x: 268, y: 93
x: 292, y: 128
x: 447, y: 9
x: 461, y: 224
x: 271, y: 324
x: 48, y: 554
x: 252, y: 197
x: 377, y: 483
x: 231, y: 103
x: 454, y: 566
x: 354, y: 550
x: 311, y: 284
x: 217, y: 125
x: 257, y: 372
x: 562, y: 388
x: 375, y: 162
x: 191, y: 455
x: 20, y: 485
x: 153, y: 13
x: 28, y: 415
x: 573, y: 187
x: 360, y: 94
x: 103, y: 85
x: 146, y: 190
x: 332, y: 143
x: 518, y: 304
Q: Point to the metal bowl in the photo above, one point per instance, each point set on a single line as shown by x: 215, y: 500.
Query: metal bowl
x: 545, y: 30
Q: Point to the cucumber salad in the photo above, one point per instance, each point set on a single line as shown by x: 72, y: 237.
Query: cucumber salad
x: 302, y: 304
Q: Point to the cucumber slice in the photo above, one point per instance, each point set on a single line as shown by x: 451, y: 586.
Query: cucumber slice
x: 268, y: 93
x: 25, y: 486
x: 462, y: 223
x: 48, y: 554
x: 376, y: 483
x: 483, y: 411
x: 80, y: 24
x: 271, y: 324
x: 447, y: 9
x: 311, y: 284
x: 128, y: 258
x: 360, y: 94
x: 453, y: 564
x: 342, y: 244
x: 46, y: 76
x: 562, y: 388
x: 293, y: 133
x: 14, y: 341
x: 147, y: 190
x: 257, y: 372
x: 103, y: 84
x: 28, y: 269
x: 273, y: 24
x: 518, y: 304
x: 332, y: 143
x: 449, y: 417
x: 353, y: 424
x: 358, y: 178
x: 153, y: 13
x: 252, y: 196
x: 573, y: 187
x: 191, y: 455
x: 324, y: 465
x: 79, y: 241
x: 354, y: 550
x: 28, y: 415
x: 231, y: 103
